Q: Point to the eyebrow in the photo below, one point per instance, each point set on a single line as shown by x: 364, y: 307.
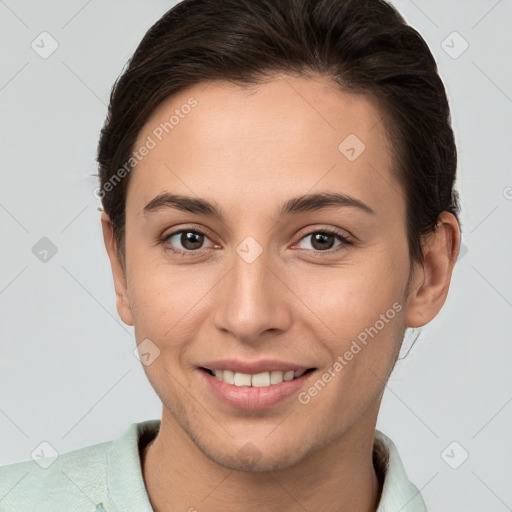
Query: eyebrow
x: 294, y: 206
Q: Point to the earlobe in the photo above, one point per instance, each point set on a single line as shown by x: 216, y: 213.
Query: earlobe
x: 432, y: 280
x: 118, y: 271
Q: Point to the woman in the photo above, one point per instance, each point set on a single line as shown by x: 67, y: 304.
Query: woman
x: 243, y: 136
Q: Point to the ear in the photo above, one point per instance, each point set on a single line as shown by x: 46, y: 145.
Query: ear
x: 431, y: 280
x: 118, y: 271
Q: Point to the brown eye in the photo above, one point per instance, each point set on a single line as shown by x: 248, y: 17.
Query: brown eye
x: 324, y: 240
x: 186, y: 240
x: 321, y: 241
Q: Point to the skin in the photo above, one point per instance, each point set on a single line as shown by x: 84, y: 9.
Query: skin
x: 249, y: 151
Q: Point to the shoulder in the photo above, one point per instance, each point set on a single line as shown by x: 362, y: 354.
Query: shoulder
x: 104, y: 477
x: 49, y: 483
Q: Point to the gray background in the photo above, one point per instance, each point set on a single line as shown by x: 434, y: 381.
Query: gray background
x: 67, y: 372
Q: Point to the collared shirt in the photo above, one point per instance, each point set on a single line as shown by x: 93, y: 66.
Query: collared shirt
x: 107, y: 477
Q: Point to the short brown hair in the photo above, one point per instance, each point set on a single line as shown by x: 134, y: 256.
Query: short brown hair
x: 363, y: 46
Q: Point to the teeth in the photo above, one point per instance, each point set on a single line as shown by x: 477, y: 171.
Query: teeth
x: 258, y: 380
x: 276, y: 377
x: 242, y: 379
x: 228, y: 376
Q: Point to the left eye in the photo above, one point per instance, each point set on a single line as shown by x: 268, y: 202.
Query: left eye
x: 323, y: 240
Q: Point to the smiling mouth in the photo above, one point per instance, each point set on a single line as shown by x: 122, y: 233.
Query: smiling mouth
x: 258, y: 380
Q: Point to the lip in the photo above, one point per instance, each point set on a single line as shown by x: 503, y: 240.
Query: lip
x: 252, y: 398
x: 252, y: 367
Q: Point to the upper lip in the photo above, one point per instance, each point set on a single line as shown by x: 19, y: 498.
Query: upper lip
x: 253, y: 367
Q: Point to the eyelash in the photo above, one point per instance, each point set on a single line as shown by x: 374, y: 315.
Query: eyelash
x: 325, y: 231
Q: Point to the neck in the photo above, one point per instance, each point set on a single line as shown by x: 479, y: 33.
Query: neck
x: 339, y: 477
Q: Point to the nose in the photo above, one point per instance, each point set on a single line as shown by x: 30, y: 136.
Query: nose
x: 253, y: 300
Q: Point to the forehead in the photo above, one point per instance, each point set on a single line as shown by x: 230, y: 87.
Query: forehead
x: 283, y: 137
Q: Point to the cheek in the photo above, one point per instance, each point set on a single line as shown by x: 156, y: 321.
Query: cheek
x: 165, y: 299
x: 348, y: 300
x: 364, y: 311
x: 365, y: 314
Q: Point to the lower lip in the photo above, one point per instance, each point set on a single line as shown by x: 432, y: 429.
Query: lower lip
x: 253, y: 398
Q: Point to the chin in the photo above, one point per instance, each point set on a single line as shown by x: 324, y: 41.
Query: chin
x: 261, y: 463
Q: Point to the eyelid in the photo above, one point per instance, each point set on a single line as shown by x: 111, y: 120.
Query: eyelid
x: 345, y: 238
x: 342, y: 233
x: 165, y: 237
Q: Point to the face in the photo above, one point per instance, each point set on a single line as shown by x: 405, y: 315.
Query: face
x: 253, y: 283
